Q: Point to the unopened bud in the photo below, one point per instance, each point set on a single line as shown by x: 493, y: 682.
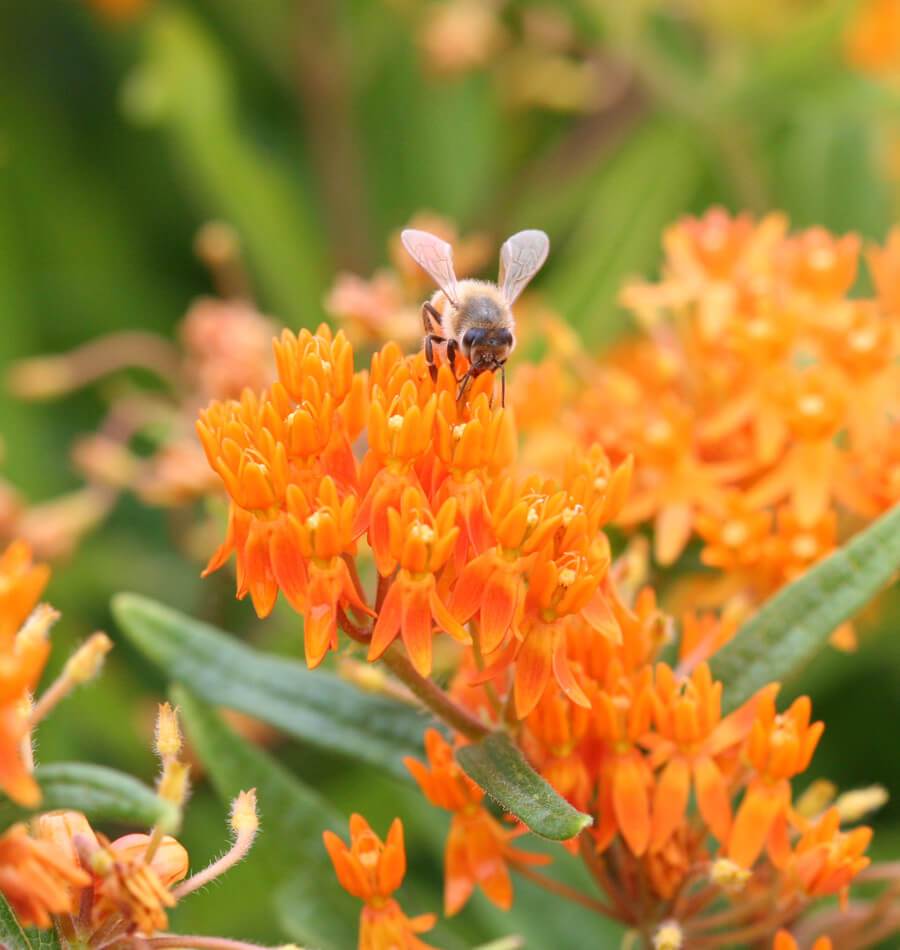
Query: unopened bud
x: 244, y: 817
x: 859, y: 802
x: 729, y: 875
x: 101, y: 862
x: 173, y: 785
x: 85, y: 662
x: 168, y: 733
x: 816, y: 798
x: 36, y: 628
x: 669, y: 936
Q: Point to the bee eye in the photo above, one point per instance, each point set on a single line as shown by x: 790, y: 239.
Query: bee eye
x: 503, y: 338
x: 472, y: 338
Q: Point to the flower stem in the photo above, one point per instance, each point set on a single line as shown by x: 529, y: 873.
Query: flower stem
x: 569, y: 893
x: 201, y: 943
x: 432, y: 696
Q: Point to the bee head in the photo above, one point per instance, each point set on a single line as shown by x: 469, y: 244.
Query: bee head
x: 486, y: 347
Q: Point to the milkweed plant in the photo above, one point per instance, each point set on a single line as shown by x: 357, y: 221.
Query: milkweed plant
x: 565, y: 620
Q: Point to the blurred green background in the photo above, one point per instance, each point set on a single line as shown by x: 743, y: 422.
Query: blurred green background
x: 318, y: 127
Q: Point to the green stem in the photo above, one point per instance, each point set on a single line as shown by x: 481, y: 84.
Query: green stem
x: 432, y: 696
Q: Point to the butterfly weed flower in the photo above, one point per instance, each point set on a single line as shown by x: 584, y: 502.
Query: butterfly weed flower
x: 410, y: 522
x: 371, y: 870
x: 478, y: 850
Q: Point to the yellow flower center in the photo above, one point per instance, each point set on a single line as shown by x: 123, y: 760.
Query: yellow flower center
x: 600, y: 483
x: 822, y: 258
x: 811, y: 404
x: 734, y: 534
x: 395, y: 423
x: 863, y: 339
x: 422, y: 532
x: 570, y: 514
x: 567, y: 577
x: 805, y: 547
x: 458, y: 431
x: 532, y: 518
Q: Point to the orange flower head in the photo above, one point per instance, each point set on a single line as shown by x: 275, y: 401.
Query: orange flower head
x: 596, y: 485
x: 492, y: 585
x: 689, y: 738
x: 713, y: 244
x: 313, y: 366
x: 795, y: 547
x: 784, y: 940
x: 21, y: 665
x: 623, y: 713
x: 372, y: 869
x: 21, y: 584
x: 478, y: 849
x: 735, y: 537
x: 862, y: 342
x: 781, y: 745
x: 128, y: 887
x: 472, y: 436
x: 778, y: 747
x: 37, y: 878
x: 826, y: 859
x: 420, y: 543
x: 814, y: 403
x: 820, y: 264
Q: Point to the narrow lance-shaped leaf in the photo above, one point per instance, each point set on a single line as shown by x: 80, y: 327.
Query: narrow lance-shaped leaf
x: 788, y: 630
x: 12, y: 937
x: 498, y: 767
x: 314, y: 706
x: 101, y: 793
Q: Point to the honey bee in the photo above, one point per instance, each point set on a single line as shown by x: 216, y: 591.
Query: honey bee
x: 474, y: 317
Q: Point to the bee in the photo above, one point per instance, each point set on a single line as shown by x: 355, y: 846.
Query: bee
x: 474, y: 317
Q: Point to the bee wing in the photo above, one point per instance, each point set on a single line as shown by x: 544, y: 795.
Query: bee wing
x: 434, y: 256
x: 521, y: 257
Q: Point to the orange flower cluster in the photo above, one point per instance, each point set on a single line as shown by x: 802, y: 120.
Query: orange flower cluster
x: 761, y: 403
x: 549, y: 640
x: 456, y: 536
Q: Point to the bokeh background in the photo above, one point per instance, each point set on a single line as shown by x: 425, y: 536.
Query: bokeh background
x: 314, y: 129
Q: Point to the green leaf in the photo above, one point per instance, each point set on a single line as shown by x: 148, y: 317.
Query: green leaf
x: 292, y: 818
x: 788, y: 630
x: 101, y: 793
x: 617, y: 235
x: 316, y: 707
x: 500, y: 769
x: 42, y: 939
x: 12, y: 937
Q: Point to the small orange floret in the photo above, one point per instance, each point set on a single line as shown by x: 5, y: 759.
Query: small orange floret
x: 372, y: 869
x: 21, y: 584
x: 785, y: 941
x: 779, y: 746
x: 37, y: 878
x: 419, y: 543
x: 827, y: 859
x: 478, y: 851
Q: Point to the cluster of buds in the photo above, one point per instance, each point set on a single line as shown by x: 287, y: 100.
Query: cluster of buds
x: 57, y: 870
x: 696, y: 830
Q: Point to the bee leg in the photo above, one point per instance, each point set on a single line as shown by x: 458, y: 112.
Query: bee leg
x: 430, y: 340
x: 463, y: 385
x: 503, y: 386
x: 431, y: 319
x: 452, y: 350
